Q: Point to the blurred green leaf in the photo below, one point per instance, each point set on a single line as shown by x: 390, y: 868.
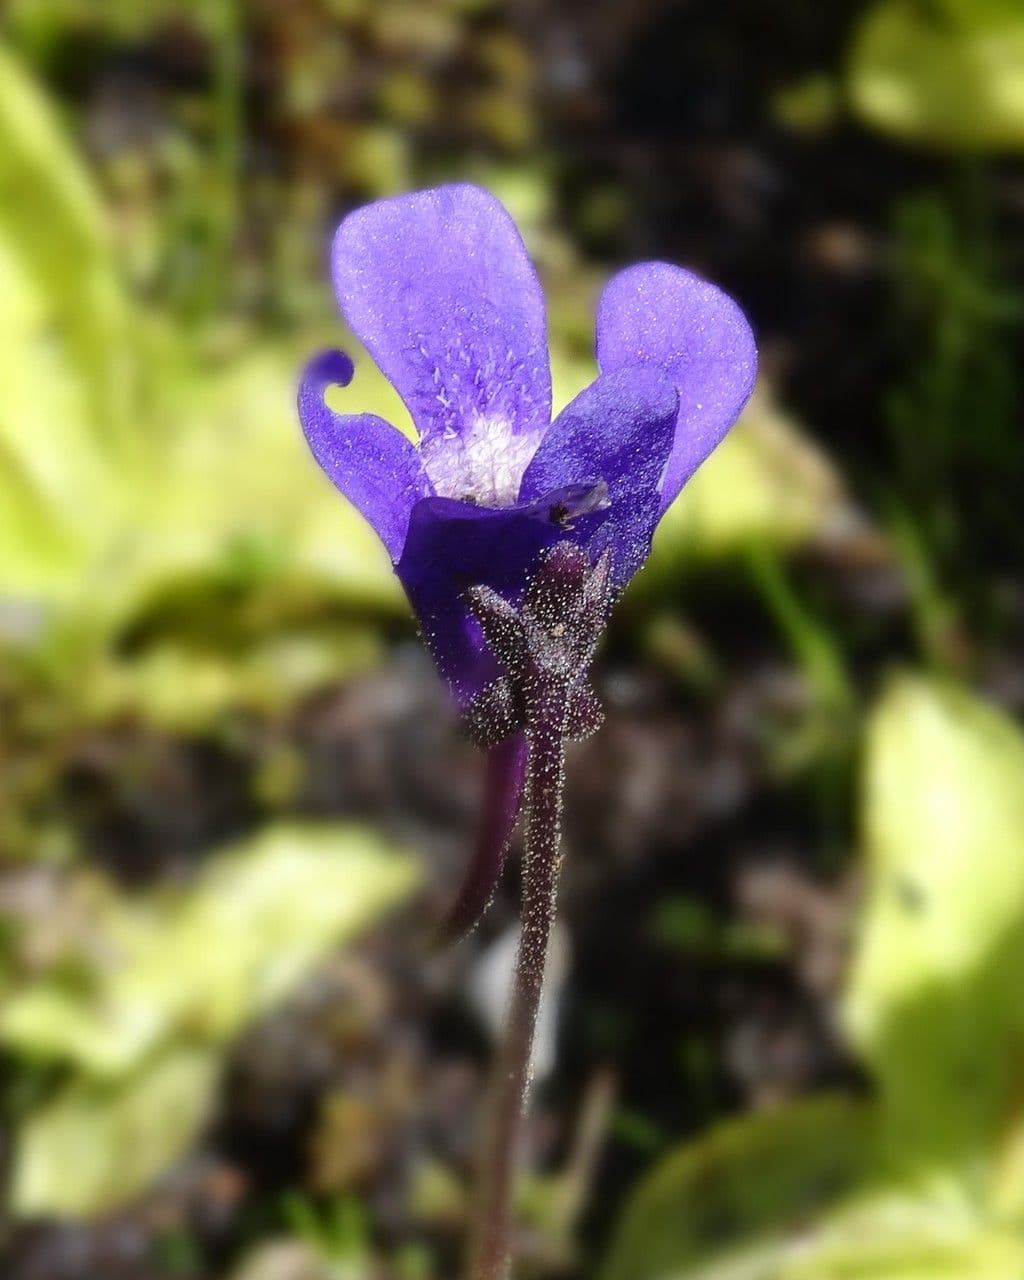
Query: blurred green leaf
x: 184, y: 689
x: 765, y: 485
x: 934, y: 998
x: 947, y: 73
x: 129, y: 458
x: 53, y: 223
x: 727, y: 1206
x: 885, y: 1239
x: 787, y: 1195
x: 809, y: 639
x: 97, y: 1144
x: 241, y: 473
x: 230, y: 489
x: 63, y: 347
x: 36, y: 22
x: 205, y: 961
x: 934, y: 1173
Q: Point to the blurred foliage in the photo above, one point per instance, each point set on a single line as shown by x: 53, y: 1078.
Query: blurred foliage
x: 97, y: 1144
x: 141, y: 1010
x: 953, y: 420
x: 345, y: 94
x: 765, y: 486
x: 202, y: 462
x: 932, y: 1004
x: 722, y: 1207
x: 63, y: 417
x: 927, y: 1181
x: 160, y: 528
x: 947, y: 73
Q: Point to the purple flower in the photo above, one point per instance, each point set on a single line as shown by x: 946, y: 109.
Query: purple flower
x: 439, y: 288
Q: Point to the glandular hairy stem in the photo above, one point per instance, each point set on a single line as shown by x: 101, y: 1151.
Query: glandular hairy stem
x: 545, y: 647
x: 491, y: 1240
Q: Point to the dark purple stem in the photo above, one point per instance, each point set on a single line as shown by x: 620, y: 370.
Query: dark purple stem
x: 545, y: 647
x: 490, y: 1243
x: 504, y: 778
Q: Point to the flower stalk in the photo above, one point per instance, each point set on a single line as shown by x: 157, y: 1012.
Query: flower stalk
x: 548, y: 515
x: 545, y: 650
x: 509, y: 1089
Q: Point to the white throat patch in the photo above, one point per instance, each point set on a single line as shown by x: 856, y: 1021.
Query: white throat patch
x: 483, y: 464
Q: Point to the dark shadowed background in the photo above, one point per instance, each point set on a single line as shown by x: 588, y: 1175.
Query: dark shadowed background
x: 785, y: 1039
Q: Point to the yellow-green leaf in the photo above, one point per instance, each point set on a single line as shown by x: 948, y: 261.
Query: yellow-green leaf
x: 208, y: 959
x: 766, y: 484
x: 727, y: 1206
x: 98, y: 1144
x: 934, y: 1002
x: 947, y: 73
x: 64, y: 359
x: 942, y: 1254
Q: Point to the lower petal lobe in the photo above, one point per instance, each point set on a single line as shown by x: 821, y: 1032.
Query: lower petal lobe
x: 453, y: 546
x: 368, y: 459
x: 618, y: 432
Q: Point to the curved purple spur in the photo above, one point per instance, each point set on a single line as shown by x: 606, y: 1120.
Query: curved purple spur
x: 439, y: 288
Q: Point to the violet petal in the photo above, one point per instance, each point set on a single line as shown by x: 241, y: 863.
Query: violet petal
x: 618, y: 431
x: 658, y: 314
x: 368, y: 459
x: 451, y: 547
x: 440, y: 289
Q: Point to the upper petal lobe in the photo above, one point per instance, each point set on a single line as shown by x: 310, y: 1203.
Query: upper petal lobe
x: 439, y: 288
